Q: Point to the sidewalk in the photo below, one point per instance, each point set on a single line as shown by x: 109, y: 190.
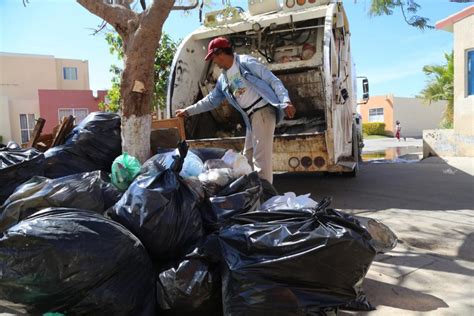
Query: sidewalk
x: 431, y: 270
x: 383, y: 143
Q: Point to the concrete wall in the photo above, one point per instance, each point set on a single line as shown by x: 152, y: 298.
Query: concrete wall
x: 439, y: 142
x: 5, y: 129
x: 415, y: 116
x: 385, y: 102
x: 82, y: 82
x: 463, y: 104
x: 21, y: 76
x: 52, y: 100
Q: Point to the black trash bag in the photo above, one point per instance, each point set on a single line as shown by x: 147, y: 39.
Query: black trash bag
x: 384, y: 239
x: 155, y: 164
x: 240, y: 196
x: 90, y: 191
x: 214, y: 180
x: 92, y: 145
x: 162, y: 211
x: 268, y: 191
x: 11, y: 145
x: 194, y: 285
x: 295, y: 263
x: 361, y: 303
x: 185, y: 287
x: 75, y: 262
x: 16, y: 167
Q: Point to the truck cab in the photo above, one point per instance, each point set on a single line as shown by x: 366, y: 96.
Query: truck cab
x: 306, y: 43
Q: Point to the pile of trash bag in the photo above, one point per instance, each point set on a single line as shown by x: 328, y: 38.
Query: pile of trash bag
x: 188, y: 232
x: 75, y: 262
x: 18, y: 165
x: 92, y: 145
x: 292, y: 262
x: 162, y: 211
x: 91, y: 191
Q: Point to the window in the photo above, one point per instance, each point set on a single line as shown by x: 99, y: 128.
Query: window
x: 376, y: 115
x: 470, y: 72
x: 79, y: 114
x: 70, y: 73
x: 27, y: 124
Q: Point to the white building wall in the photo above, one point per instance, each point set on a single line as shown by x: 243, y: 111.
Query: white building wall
x: 415, y: 116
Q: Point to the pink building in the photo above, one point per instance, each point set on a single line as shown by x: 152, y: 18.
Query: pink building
x: 33, y: 86
x: 56, y: 104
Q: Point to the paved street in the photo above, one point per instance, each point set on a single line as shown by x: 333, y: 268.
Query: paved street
x: 383, y: 143
x: 430, y: 206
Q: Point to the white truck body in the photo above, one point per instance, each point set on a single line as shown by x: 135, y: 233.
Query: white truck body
x: 308, y: 48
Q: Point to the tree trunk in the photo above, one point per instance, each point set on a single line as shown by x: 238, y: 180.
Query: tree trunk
x: 141, y: 35
x: 137, y: 94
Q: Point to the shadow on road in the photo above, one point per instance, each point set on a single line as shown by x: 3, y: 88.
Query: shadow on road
x: 412, y: 186
x: 400, y: 297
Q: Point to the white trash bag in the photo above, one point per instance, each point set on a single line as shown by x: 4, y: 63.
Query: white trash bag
x: 192, y: 166
x: 289, y: 201
x: 237, y: 162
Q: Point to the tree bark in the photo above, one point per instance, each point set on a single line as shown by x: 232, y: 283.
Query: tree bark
x: 141, y: 35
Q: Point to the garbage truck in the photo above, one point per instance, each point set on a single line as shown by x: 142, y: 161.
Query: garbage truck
x: 305, y: 43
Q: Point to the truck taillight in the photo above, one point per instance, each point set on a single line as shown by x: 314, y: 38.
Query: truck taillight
x: 319, y: 161
x: 290, y: 3
x: 306, y: 162
x: 294, y: 162
x: 301, y: 2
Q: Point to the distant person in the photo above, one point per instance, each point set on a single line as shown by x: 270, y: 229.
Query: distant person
x: 398, y: 130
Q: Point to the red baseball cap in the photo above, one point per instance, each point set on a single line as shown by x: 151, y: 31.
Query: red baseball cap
x: 218, y: 42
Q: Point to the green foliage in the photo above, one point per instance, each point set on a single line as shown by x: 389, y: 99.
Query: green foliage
x: 162, y: 67
x: 440, y: 87
x: 163, y: 59
x: 409, y: 8
x: 115, y: 44
x: 113, y: 98
x: 373, y: 128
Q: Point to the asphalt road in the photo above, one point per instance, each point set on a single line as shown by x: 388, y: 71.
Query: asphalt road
x: 430, y: 206
x: 378, y: 186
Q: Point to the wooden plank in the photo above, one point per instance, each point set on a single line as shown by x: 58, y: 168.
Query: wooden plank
x: 177, y: 122
x: 163, y: 138
x: 64, y: 129
x: 36, y: 132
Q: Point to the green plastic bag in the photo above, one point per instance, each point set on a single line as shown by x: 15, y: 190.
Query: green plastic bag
x: 124, y: 169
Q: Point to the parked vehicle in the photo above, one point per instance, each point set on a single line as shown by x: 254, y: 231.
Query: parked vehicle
x: 307, y: 45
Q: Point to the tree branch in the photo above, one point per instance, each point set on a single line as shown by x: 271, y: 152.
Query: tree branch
x: 156, y: 14
x: 116, y: 15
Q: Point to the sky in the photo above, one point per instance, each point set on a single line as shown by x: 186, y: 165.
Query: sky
x: 385, y: 49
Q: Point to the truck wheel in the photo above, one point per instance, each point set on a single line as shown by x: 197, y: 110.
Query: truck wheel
x: 355, y: 152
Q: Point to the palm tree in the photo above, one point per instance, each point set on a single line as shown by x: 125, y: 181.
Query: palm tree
x: 440, y: 87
